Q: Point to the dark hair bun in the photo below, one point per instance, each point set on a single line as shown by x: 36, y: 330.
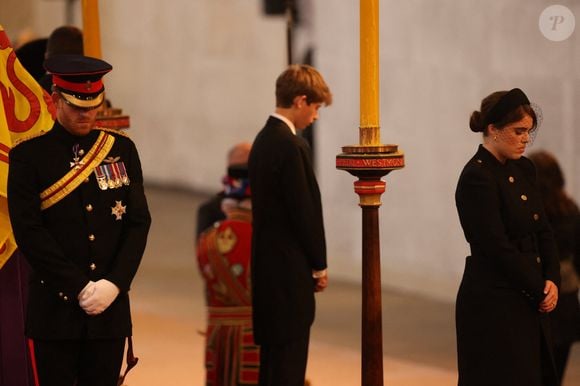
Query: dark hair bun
x: 475, y: 122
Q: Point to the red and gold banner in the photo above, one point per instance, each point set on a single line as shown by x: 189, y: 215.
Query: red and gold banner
x: 25, y: 109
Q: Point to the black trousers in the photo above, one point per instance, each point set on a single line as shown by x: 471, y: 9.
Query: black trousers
x: 79, y: 362
x: 284, y: 364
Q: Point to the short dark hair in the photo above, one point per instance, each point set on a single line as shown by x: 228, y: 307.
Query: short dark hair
x: 301, y: 79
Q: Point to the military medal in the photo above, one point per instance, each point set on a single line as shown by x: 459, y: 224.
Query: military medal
x: 123, y: 172
x: 111, y: 175
x: 117, y: 174
x: 101, y: 178
x: 77, y: 161
x: 118, y: 210
x: 111, y: 183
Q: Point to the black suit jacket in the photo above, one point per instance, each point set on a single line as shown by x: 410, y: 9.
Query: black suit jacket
x: 288, y: 239
x: 77, y: 239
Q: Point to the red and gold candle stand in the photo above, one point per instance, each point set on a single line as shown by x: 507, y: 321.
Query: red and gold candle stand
x: 369, y: 162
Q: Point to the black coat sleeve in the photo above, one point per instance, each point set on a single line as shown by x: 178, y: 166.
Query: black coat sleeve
x: 42, y: 251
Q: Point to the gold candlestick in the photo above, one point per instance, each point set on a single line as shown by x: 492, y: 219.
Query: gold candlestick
x: 91, y: 29
x: 370, y: 133
x: 369, y: 161
x: 108, y: 117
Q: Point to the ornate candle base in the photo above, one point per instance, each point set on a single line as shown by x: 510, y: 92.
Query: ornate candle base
x: 369, y: 164
x: 375, y: 158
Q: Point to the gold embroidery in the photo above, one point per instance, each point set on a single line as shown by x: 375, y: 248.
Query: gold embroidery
x: 226, y: 240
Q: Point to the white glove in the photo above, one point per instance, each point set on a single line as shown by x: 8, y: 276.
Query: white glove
x: 87, y: 291
x: 101, y: 298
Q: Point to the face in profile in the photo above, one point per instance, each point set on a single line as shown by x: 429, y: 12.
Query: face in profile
x: 511, y: 141
x: 306, y: 114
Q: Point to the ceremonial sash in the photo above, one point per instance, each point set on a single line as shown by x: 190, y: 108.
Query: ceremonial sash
x: 61, y: 188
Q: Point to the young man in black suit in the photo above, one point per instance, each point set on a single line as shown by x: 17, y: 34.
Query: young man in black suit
x: 288, y: 245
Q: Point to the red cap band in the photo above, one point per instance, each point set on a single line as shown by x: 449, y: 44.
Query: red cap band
x: 87, y: 87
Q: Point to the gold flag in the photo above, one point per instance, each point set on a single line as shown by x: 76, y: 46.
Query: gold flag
x: 25, y: 109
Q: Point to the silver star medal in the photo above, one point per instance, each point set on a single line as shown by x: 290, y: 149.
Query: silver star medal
x: 77, y: 162
x: 118, y: 210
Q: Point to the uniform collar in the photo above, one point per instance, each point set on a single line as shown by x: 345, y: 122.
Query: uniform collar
x: 61, y: 133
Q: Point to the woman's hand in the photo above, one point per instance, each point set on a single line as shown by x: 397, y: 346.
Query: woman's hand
x: 551, y: 299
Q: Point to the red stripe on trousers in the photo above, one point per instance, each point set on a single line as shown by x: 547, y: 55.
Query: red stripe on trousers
x: 33, y: 361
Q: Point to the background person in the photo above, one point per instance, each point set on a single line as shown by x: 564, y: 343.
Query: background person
x: 564, y: 216
x: 511, y: 279
x: 210, y: 211
x: 224, y: 255
x: 63, y: 40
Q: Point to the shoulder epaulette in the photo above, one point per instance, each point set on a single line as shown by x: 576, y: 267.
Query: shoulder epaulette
x: 113, y: 131
x: 28, y: 138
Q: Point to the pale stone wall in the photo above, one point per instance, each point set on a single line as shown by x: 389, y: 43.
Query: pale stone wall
x: 438, y: 60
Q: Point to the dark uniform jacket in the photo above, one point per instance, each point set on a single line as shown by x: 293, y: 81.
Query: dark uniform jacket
x: 502, y: 338
x: 288, y: 239
x: 77, y: 239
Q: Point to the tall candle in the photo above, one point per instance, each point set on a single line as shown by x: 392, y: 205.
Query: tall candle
x: 91, y: 30
x: 369, y: 73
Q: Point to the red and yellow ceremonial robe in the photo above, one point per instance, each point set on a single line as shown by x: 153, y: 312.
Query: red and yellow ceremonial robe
x: 224, y: 254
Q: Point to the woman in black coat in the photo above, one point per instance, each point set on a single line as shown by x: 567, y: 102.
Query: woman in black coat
x: 564, y: 216
x: 510, y: 283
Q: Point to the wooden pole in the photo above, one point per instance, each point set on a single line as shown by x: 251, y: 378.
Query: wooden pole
x: 372, y: 333
x: 289, y: 31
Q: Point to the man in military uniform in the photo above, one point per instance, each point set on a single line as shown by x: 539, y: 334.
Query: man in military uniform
x: 80, y: 216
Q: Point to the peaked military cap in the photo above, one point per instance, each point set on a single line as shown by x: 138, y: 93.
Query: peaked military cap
x: 78, y: 78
